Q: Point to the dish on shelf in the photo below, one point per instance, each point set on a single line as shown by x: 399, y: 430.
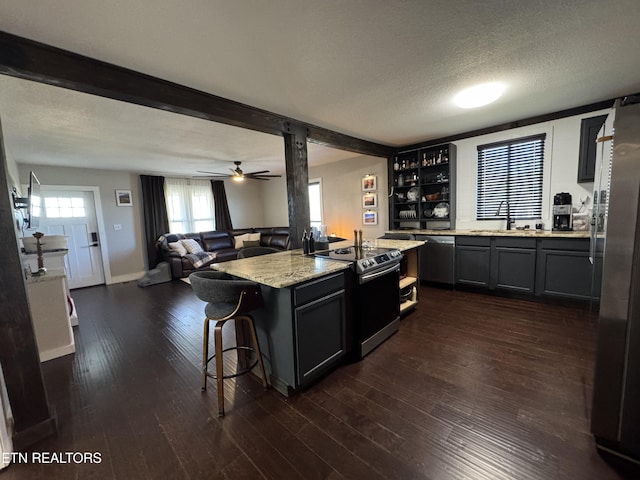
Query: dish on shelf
x: 441, y: 210
x: 413, y: 195
x: 428, y: 212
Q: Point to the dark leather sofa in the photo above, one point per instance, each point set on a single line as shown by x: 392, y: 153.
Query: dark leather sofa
x: 220, y: 242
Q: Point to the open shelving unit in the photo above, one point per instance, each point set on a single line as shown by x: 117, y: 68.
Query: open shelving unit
x: 423, y: 186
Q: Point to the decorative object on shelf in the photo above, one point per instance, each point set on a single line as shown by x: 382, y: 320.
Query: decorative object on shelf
x: 433, y: 197
x: 370, y: 200
x: 41, y: 269
x: 123, y: 198
x: 370, y: 217
x: 413, y: 195
x: 410, y: 213
x: 370, y: 183
x: 428, y: 212
x: 441, y: 210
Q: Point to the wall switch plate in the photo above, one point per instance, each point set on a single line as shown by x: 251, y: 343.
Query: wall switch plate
x: 117, y: 226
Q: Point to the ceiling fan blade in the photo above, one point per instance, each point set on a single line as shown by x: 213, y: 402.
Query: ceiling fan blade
x: 257, y: 173
x: 214, y: 174
x: 270, y: 176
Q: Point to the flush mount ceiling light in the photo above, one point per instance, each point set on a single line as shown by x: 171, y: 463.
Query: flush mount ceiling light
x: 479, y: 95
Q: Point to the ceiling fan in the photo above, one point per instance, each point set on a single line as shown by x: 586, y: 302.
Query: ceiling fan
x: 238, y: 175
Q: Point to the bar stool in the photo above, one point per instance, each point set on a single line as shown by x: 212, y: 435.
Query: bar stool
x: 227, y: 299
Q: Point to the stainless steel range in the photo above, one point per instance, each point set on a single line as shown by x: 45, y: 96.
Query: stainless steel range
x: 375, y: 298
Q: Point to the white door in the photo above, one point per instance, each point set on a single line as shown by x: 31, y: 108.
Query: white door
x: 73, y: 213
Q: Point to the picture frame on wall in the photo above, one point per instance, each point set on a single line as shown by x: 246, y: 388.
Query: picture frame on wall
x: 123, y: 198
x: 370, y: 200
x: 369, y: 183
x: 370, y: 218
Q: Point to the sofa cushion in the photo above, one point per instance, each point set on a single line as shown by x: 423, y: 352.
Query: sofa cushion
x: 278, y: 237
x: 240, y: 231
x: 216, y: 240
x: 226, y: 254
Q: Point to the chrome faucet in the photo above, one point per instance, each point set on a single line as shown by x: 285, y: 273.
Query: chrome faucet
x: 508, y: 213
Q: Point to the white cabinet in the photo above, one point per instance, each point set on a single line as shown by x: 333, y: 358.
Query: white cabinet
x: 49, y: 304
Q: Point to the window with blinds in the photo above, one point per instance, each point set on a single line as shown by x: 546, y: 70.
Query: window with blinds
x: 510, y: 172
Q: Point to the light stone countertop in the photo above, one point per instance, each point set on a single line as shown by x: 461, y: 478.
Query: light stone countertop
x: 51, y: 274
x: 499, y: 233
x: 282, y: 269
x: 291, y: 267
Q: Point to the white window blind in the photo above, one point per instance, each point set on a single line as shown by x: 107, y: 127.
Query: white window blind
x: 189, y: 205
x: 510, y: 172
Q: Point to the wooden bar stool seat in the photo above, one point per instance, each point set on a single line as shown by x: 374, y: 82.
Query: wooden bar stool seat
x: 227, y: 299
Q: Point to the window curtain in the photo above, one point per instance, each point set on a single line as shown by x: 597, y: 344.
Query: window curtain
x: 156, y: 222
x: 222, y: 216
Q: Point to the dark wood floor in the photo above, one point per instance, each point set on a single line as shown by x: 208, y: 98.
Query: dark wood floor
x: 472, y: 387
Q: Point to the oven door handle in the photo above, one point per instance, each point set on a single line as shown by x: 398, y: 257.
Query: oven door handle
x: 372, y: 276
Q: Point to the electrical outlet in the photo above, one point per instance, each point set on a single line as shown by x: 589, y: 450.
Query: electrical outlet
x: 117, y: 226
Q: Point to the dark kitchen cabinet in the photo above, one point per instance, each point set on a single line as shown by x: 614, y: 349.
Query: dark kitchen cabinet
x: 589, y: 129
x: 473, y: 261
x: 513, y: 264
x: 304, y: 330
x: 423, y: 185
x: 564, y: 270
x: 319, y: 326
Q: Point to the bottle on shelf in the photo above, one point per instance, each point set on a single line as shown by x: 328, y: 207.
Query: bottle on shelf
x: 396, y: 165
x: 305, y: 242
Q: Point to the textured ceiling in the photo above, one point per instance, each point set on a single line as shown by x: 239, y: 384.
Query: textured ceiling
x: 378, y: 70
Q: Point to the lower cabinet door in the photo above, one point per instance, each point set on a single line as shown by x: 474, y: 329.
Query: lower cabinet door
x: 566, y: 274
x: 514, y: 269
x: 473, y: 265
x: 320, y: 336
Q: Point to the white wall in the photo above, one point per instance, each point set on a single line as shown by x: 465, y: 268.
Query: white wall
x: 127, y: 257
x: 245, y: 203
x: 562, y: 147
x: 274, y: 201
x: 342, y: 195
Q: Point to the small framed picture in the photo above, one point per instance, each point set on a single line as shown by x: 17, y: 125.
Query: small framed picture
x: 370, y: 200
x: 123, y: 198
x: 370, y: 218
x: 369, y: 183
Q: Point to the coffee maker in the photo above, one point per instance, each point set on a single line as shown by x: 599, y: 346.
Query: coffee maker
x: 562, y: 212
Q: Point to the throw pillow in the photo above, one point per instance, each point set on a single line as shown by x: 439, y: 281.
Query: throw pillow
x: 191, y: 245
x: 178, y: 248
x: 240, y: 239
x: 251, y: 243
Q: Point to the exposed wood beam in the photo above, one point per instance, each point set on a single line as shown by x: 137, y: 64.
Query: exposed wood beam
x: 297, y: 166
x: 30, y: 60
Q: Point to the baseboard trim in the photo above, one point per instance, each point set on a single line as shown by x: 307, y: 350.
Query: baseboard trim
x: 129, y: 277
x: 27, y: 437
x: 57, y: 352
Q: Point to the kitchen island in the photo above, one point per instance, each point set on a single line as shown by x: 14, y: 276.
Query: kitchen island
x: 305, y: 328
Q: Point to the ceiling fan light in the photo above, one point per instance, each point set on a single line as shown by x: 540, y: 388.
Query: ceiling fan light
x: 479, y: 95
x: 238, y: 178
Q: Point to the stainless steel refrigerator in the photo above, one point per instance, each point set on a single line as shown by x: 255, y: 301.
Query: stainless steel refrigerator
x: 615, y: 419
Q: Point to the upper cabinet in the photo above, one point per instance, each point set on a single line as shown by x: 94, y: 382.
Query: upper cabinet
x: 589, y: 129
x: 423, y: 189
